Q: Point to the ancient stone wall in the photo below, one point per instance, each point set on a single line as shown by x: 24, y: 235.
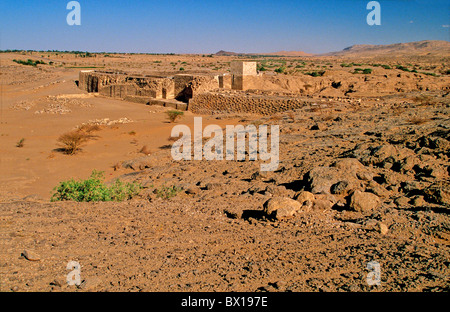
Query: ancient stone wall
x: 187, y: 86
x: 239, y: 102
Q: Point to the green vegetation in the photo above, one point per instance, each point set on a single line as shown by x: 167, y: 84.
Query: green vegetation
x: 280, y: 70
x: 364, y: 71
x: 181, y: 68
x: 402, y: 68
x: 93, y: 189
x: 261, y: 68
x: 173, y: 115
x: 316, y: 73
x: 20, y: 142
x: 166, y: 192
x: 29, y: 62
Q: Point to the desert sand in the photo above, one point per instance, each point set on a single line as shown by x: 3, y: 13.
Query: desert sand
x: 363, y: 176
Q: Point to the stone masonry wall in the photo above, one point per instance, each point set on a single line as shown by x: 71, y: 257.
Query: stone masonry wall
x: 210, y: 102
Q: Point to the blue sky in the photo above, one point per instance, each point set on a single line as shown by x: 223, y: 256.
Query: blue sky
x: 207, y: 26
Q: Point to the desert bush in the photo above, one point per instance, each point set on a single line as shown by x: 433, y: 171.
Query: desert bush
x: 280, y: 70
x: 364, y: 71
x: 167, y: 192
x: 173, y: 115
x: 261, y: 68
x: 20, y: 142
x: 402, y: 68
x: 29, y: 62
x: 93, y: 189
x: 72, y: 141
x: 89, y: 128
x: 316, y: 73
x: 418, y: 120
x: 423, y: 99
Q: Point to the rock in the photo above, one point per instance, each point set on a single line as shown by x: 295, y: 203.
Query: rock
x: 304, y: 196
x: 277, y: 190
x: 281, y: 207
x: 193, y: 190
x: 322, y: 204
x: 382, y: 155
x: 31, y: 255
x: 382, y: 228
x: 418, y: 201
x: 348, y: 165
x: 321, y: 179
x: 407, y: 164
x: 318, y: 127
x: 377, y: 189
x: 374, y: 225
x: 402, y: 202
x: 340, y: 188
x: 90, y: 284
x: 33, y: 197
x: 307, y: 205
x: 365, y: 175
x: 438, y: 193
x: 140, y: 163
x: 259, y: 175
x: 363, y: 201
x: 213, y: 186
x: 411, y: 187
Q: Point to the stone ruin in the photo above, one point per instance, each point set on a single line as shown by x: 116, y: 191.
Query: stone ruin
x: 200, y: 93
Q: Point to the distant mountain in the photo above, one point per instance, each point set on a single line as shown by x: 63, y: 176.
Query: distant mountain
x: 290, y: 53
x: 225, y: 53
x: 418, y: 48
x: 280, y: 53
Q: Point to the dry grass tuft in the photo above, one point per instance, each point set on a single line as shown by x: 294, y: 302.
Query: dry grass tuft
x: 418, y: 120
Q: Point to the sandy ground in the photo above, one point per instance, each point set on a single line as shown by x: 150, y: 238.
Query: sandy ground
x: 214, y: 235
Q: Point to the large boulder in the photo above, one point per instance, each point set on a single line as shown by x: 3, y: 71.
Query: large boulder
x: 281, y: 208
x: 340, y: 178
x: 363, y: 201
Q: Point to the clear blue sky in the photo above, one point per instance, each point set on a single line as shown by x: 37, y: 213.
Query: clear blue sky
x: 207, y: 26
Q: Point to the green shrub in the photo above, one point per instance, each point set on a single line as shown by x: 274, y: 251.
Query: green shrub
x: 93, y: 189
x: 402, y: 68
x: 20, y: 143
x: 316, y: 73
x: 29, y: 62
x: 166, y: 192
x: 261, y: 68
x: 280, y: 70
x: 367, y: 71
x: 173, y: 115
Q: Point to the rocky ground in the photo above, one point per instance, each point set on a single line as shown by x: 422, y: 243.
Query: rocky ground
x: 357, y: 182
